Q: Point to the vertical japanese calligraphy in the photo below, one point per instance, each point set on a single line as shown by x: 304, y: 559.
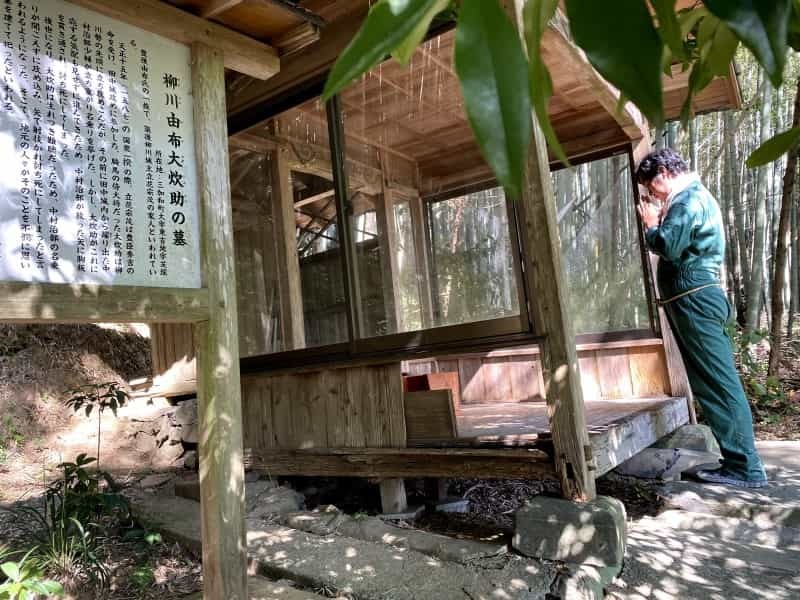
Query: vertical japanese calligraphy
x: 98, y: 179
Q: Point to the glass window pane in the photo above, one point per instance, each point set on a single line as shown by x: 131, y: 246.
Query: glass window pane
x: 600, y: 246
x: 289, y: 209
x: 472, y: 258
x: 438, y: 254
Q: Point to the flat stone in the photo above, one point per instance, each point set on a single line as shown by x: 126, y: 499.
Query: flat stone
x: 190, y: 459
x: 666, y: 463
x: 675, y: 563
x: 356, y: 568
x: 185, y: 413
x: 188, y: 488
x: 330, y: 521
x: 407, y: 515
x: 453, y: 506
x: 190, y: 433
x: 155, y: 480
x: 691, y: 437
x: 143, y: 442
x: 585, y: 582
x: 259, y: 588
x: 275, y: 501
x: 167, y: 455
x: 591, y: 533
x: 253, y: 490
x: 251, y: 476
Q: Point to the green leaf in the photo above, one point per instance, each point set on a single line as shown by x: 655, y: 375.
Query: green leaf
x: 405, y: 50
x: 688, y: 19
x: 774, y: 148
x: 388, y: 25
x: 11, y: 570
x: 723, y: 49
x: 763, y: 26
x: 536, y: 15
x: 669, y: 28
x: 491, y: 67
x: 632, y: 63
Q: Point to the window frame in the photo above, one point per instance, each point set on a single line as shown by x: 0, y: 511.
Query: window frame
x: 504, y: 332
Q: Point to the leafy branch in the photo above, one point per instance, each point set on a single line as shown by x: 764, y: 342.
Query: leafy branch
x: 629, y: 42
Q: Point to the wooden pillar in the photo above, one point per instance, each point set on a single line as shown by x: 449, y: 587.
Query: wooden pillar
x: 545, y: 286
x: 390, y: 271
x: 218, y: 386
x: 293, y: 331
x: 393, y: 496
x: 678, y: 379
x: 422, y: 263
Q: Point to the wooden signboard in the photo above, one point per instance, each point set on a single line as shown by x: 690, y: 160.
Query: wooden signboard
x: 99, y: 181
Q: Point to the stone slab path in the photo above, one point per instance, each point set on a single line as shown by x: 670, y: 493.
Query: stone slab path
x: 722, y: 543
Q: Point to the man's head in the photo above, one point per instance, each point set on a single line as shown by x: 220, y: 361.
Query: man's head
x: 657, y: 171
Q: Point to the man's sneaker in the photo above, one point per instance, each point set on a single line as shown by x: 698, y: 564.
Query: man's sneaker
x: 725, y: 478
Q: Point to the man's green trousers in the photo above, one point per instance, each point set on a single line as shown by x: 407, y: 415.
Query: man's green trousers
x: 699, y: 321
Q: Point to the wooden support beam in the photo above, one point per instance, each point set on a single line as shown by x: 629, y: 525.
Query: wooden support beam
x: 505, y: 463
x: 74, y: 303
x: 218, y: 382
x: 217, y: 7
x: 296, y: 39
x: 241, y: 53
x: 421, y: 260
x: 390, y: 270
x: 393, y: 496
x: 314, y: 198
x: 310, y: 62
x: 573, y: 59
x: 293, y: 330
x: 546, y: 289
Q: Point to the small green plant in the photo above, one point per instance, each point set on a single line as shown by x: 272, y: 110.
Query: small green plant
x: 97, y: 397
x: 23, y: 579
x: 9, y: 436
x: 142, y: 577
x: 767, y: 392
x: 79, y: 510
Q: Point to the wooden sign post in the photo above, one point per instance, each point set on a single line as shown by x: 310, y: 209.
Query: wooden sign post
x: 115, y: 207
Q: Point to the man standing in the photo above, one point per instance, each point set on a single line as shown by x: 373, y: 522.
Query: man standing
x: 685, y: 230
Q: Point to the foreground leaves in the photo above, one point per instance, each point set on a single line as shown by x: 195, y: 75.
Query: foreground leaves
x: 774, y: 148
x: 622, y: 43
x: 390, y: 24
x: 492, y: 69
x: 536, y: 15
x: 763, y: 26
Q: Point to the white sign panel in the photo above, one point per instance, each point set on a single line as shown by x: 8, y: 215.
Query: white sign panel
x: 97, y: 166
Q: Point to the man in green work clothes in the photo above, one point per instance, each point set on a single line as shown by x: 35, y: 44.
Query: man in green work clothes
x: 684, y: 227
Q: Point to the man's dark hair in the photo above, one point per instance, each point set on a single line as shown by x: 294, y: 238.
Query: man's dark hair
x: 652, y: 163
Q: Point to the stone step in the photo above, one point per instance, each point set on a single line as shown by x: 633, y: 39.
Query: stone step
x: 776, y: 505
x: 668, y: 562
x: 356, y: 568
x: 729, y: 529
x: 259, y: 588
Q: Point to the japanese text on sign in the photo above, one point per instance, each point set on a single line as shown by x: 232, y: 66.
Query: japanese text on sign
x: 97, y: 151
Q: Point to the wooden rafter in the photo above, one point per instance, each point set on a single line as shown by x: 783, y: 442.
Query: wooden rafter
x: 240, y: 52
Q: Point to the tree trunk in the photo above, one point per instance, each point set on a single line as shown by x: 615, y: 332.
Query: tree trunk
x: 782, y: 249
x: 794, y: 271
x: 756, y: 279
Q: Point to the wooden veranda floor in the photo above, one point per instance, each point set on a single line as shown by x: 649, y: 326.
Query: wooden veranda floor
x: 618, y: 429
x: 494, y: 441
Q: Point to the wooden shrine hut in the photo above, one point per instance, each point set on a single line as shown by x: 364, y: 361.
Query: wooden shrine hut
x: 394, y: 314
x: 397, y: 315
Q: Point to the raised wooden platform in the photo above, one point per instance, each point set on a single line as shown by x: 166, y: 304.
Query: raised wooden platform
x: 494, y: 442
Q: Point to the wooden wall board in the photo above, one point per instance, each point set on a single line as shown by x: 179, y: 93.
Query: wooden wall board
x: 430, y: 416
x: 404, y: 462
x: 343, y: 408
x: 524, y: 376
x: 590, y: 377
x: 472, y: 387
x: 614, y: 374
x: 649, y: 375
